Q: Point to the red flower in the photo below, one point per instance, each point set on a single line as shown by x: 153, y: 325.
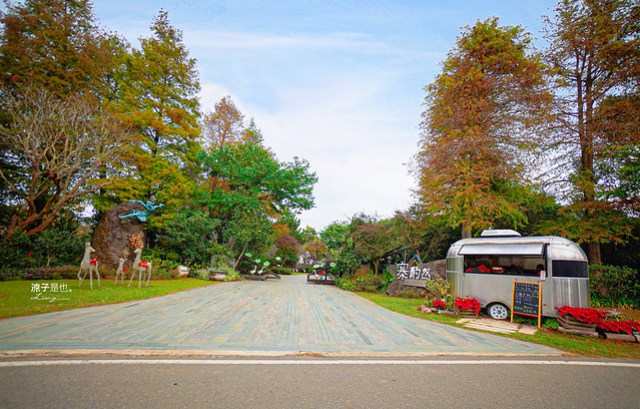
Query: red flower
x: 439, y: 304
x: 467, y: 304
x: 587, y: 315
x: 593, y: 316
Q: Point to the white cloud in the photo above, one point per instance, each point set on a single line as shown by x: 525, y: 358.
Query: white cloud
x: 237, y: 41
x: 356, y: 147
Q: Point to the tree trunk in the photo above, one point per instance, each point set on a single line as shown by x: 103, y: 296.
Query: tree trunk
x: 235, y: 265
x: 593, y: 253
x: 466, y: 231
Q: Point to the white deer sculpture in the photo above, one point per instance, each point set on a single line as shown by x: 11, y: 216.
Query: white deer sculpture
x: 120, y: 272
x: 140, y: 268
x: 88, y: 265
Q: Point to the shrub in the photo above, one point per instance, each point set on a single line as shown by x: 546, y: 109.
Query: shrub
x: 410, y: 293
x: 281, y: 270
x: 201, y: 274
x: 345, y: 284
x: 438, y: 287
x: 51, y: 247
x: 232, y: 275
x: 614, y: 286
x: 371, y: 283
x: 188, y: 235
x: 347, y: 262
x: 387, y: 279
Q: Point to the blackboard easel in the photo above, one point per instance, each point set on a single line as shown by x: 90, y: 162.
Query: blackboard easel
x: 526, y: 299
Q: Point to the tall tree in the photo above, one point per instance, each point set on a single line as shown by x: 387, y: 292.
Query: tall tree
x: 224, y: 125
x: 411, y: 228
x: 160, y: 102
x: 287, y: 248
x: 249, y: 189
x: 372, y: 241
x: 336, y: 236
x: 252, y: 134
x: 482, y: 110
x: 54, y: 146
x: 55, y: 44
x: 595, y: 49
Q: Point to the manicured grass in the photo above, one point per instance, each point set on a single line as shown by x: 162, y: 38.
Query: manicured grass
x: 571, y: 344
x: 20, y: 298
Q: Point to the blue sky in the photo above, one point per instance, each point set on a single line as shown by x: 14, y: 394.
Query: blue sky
x: 339, y: 83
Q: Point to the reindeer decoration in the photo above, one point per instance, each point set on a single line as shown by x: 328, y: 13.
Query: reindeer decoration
x: 88, y: 265
x: 139, y: 266
x: 120, y: 272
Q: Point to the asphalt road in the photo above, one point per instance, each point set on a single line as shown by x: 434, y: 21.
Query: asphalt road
x: 319, y: 384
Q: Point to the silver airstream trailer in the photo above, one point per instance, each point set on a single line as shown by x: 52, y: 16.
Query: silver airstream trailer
x: 486, y: 267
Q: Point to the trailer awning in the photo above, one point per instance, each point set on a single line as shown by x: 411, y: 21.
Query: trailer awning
x: 502, y: 250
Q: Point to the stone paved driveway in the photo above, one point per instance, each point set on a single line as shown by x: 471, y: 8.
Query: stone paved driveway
x: 272, y: 317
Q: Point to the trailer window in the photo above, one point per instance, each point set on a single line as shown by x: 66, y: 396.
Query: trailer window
x: 504, y: 264
x: 575, y: 269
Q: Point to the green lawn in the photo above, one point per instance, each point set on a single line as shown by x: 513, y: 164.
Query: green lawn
x: 19, y: 298
x: 571, y: 344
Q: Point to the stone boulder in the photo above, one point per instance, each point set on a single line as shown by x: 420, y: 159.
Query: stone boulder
x: 111, y: 238
x: 438, y: 269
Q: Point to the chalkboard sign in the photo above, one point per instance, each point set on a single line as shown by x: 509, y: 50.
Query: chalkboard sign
x: 526, y: 300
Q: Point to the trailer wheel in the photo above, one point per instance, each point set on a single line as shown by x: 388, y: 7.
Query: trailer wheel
x: 498, y: 311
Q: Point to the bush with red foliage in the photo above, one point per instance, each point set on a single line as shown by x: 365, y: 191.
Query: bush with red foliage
x: 467, y: 304
x: 439, y: 304
x: 597, y: 317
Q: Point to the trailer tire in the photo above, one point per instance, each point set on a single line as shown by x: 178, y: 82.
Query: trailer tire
x: 498, y: 311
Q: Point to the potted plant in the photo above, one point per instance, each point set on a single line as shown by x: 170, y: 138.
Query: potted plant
x: 467, y: 306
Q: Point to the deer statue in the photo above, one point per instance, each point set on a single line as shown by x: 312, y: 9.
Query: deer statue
x: 139, y: 266
x: 120, y: 272
x: 88, y: 265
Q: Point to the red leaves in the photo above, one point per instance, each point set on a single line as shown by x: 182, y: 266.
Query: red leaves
x: 618, y: 327
x: 467, y: 304
x: 593, y: 316
x: 439, y: 304
x: 588, y: 315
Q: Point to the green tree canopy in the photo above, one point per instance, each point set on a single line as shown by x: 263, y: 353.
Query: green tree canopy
x: 190, y: 235
x: 246, y: 174
x: 248, y: 189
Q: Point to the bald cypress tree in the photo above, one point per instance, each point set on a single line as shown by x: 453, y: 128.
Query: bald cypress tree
x: 482, y: 110
x: 159, y: 100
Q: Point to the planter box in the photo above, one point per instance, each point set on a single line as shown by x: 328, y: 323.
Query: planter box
x: 620, y: 337
x: 569, y: 322
x: 591, y: 334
